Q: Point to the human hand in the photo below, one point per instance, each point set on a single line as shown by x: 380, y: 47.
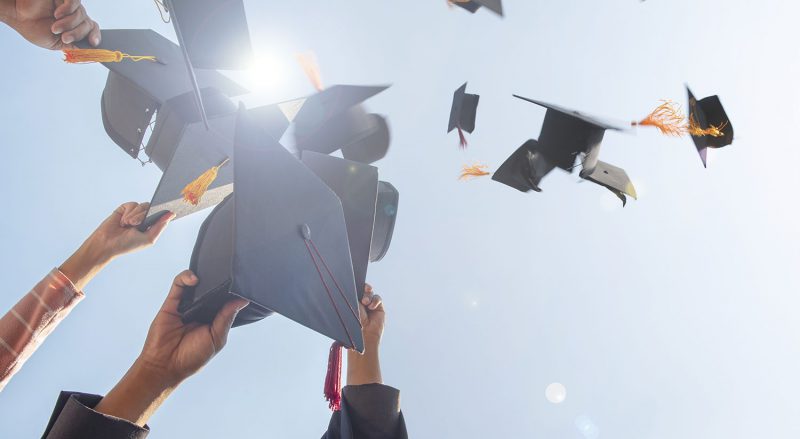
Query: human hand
x: 119, y: 234
x: 175, y: 350
x: 366, y: 368
x: 373, y: 316
x: 52, y: 24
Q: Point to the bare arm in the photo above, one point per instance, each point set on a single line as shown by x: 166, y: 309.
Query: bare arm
x: 366, y: 368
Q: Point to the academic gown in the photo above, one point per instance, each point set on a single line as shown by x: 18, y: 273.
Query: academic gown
x: 370, y: 411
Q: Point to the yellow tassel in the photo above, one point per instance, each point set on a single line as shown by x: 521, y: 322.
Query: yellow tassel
x: 713, y: 131
x: 469, y: 172
x: 668, y: 118
x: 194, y: 191
x: 76, y: 56
x: 308, y: 61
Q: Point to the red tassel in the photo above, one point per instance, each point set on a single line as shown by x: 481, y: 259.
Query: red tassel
x: 333, y: 380
x: 462, y: 139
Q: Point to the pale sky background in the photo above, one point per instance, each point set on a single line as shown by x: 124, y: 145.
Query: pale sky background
x: 675, y: 317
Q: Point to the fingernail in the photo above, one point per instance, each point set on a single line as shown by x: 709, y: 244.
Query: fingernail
x: 193, y: 276
x: 67, y: 40
x: 136, y: 222
x: 365, y: 301
x: 95, y: 41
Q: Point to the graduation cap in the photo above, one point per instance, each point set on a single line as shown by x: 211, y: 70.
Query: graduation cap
x: 135, y: 91
x: 197, y: 161
x: 708, y: 124
x: 213, y: 34
x: 334, y: 119
x: 472, y: 6
x: 279, y: 241
x: 463, y: 113
x: 565, y: 135
x: 356, y: 185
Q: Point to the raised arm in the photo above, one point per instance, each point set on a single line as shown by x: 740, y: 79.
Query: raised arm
x: 30, y: 321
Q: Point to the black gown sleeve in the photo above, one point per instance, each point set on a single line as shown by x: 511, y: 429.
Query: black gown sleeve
x: 74, y: 418
x: 369, y: 411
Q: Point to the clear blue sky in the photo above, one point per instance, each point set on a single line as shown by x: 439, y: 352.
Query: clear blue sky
x: 672, y: 318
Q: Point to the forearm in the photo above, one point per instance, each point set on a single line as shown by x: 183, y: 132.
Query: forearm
x: 137, y: 396
x: 364, y: 368
x: 85, y: 263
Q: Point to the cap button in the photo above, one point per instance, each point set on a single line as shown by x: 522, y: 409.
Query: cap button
x: 305, y: 230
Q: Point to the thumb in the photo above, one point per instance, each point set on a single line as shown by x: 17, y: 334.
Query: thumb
x: 158, y: 228
x: 223, y: 321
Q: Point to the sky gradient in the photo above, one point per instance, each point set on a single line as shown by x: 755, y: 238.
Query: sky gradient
x: 672, y: 318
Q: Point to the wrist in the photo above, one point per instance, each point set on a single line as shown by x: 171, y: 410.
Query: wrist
x: 137, y: 395
x: 84, y: 264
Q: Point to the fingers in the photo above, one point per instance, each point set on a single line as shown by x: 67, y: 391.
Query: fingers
x: 78, y: 33
x: 70, y: 21
x: 376, y: 303
x: 184, y: 279
x: 68, y: 7
x: 94, y: 34
x: 224, y: 320
x: 133, y: 214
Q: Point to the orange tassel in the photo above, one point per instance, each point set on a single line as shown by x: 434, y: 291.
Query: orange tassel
x: 713, y: 131
x: 194, y: 191
x: 78, y: 56
x: 469, y: 172
x: 667, y: 117
x: 308, y: 61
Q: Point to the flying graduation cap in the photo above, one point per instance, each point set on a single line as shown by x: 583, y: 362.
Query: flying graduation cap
x: 280, y: 241
x: 463, y: 113
x: 335, y: 119
x: 709, y: 125
x: 197, y: 162
x: 472, y: 6
x: 213, y: 34
x: 135, y: 91
x: 565, y: 136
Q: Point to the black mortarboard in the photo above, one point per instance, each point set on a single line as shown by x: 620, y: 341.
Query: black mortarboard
x: 356, y: 185
x: 135, y: 91
x: 335, y: 119
x: 385, y: 218
x: 279, y: 241
x: 706, y: 113
x: 495, y: 6
x: 463, y: 112
x: 212, y: 34
x: 567, y: 133
x: 525, y: 168
x: 182, y: 147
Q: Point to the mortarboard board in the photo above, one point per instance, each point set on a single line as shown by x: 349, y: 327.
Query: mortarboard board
x: 135, y: 91
x: 182, y: 147
x: 612, y: 178
x: 472, y: 6
x: 212, y: 34
x: 463, y: 112
x: 356, y: 185
x: 279, y: 241
x: 335, y: 119
x: 566, y: 133
x: 707, y: 113
x: 525, y: 168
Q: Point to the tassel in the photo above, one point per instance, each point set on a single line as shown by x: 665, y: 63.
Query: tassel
x: 194, y: 191
x: 308, y: 61
x: 667, y: 117
x: 469, y: 172
x: 462, y: 139
x: 696, y: 130
x: 333, y: 380
x: 78, y: 56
